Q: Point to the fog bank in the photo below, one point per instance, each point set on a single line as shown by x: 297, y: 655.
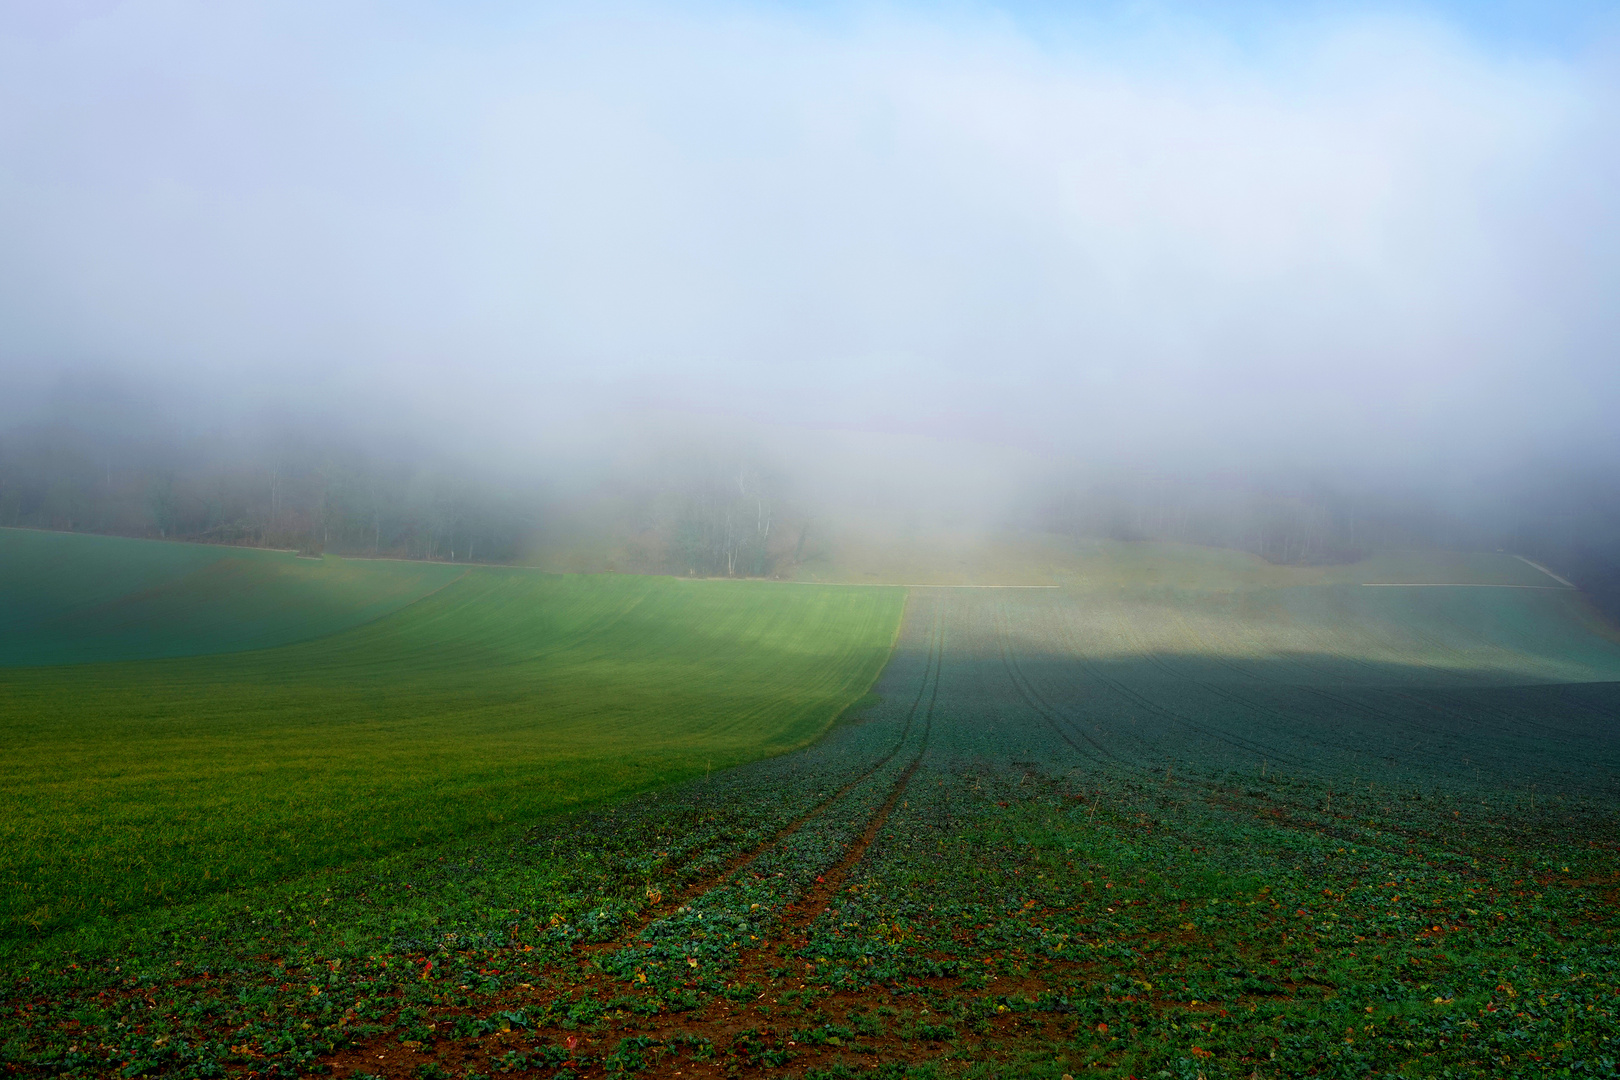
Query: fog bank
x: 927, y: 267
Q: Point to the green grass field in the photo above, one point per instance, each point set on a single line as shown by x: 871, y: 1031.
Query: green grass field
x: 68, y: 598
x: 1186, y: 814
x: 478, y: 698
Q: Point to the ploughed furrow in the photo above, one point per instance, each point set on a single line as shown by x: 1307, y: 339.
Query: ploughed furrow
x: 1094, y: 671
x: 968, y: 878
x: 1383, y: 721
x: 828, y: 884
x: 1392, y: 713
x: 694, y: 892
x: 1145, y: 650
x: 739, y: 921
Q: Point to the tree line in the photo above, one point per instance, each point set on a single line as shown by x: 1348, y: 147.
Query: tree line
x: 292, y: 492
x: 705, y: 512
x: 1291, y: 525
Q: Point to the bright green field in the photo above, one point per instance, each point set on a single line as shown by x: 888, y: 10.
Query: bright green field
x: 479, y: 698
x: 182, y: 719
x: 1181, y: 813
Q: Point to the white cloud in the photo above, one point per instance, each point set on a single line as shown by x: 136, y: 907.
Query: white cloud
x: 1344, y: 230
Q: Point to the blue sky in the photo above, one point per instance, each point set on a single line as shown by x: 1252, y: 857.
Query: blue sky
x: 1561, y: 27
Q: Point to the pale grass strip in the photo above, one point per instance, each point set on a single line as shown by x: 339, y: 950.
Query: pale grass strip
x: 1546, y: 571
x: 875, y: 584
x: 1455, y: 585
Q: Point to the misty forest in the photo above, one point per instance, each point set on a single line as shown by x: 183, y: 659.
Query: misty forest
x: 990, y: 541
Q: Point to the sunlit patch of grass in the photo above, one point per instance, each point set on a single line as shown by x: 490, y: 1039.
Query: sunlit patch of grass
x: 504, y: 696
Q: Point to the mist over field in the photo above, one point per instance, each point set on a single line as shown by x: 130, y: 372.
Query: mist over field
x: 840, y: 538
x: 1295, y: 280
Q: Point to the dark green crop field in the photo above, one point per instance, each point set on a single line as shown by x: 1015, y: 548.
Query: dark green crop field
x: 1186, y: 815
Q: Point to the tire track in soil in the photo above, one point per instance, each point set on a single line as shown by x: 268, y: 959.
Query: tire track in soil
x: 796, y: 918
x: 1140, y: 700
x: 1042, y: 707
x: 701, y: 888
x: 1165, y: 712
x: 1146, y: 652
x: 817, y: 900
x: 794, y: 922
x: 1452, y: 721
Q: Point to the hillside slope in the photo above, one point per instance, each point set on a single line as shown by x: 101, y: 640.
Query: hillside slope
x: 68, y: 598
x: 504, y: 696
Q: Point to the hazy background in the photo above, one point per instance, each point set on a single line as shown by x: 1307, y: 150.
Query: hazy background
x: 1305, y: 278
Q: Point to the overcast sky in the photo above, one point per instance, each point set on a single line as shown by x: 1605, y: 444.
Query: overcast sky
x: 1141, y: 231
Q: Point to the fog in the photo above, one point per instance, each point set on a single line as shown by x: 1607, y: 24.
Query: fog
x: 900, y: 254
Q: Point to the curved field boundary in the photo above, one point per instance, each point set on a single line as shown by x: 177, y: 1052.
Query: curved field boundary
x: 832, y: 882
x: 930, y: 671
x: 508, y: 697
x: 707, y: 884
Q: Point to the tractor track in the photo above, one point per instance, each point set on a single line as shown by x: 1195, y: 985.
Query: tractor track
x: 832, y: 881
x: 1045, y: 709
x: 707, y: 884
